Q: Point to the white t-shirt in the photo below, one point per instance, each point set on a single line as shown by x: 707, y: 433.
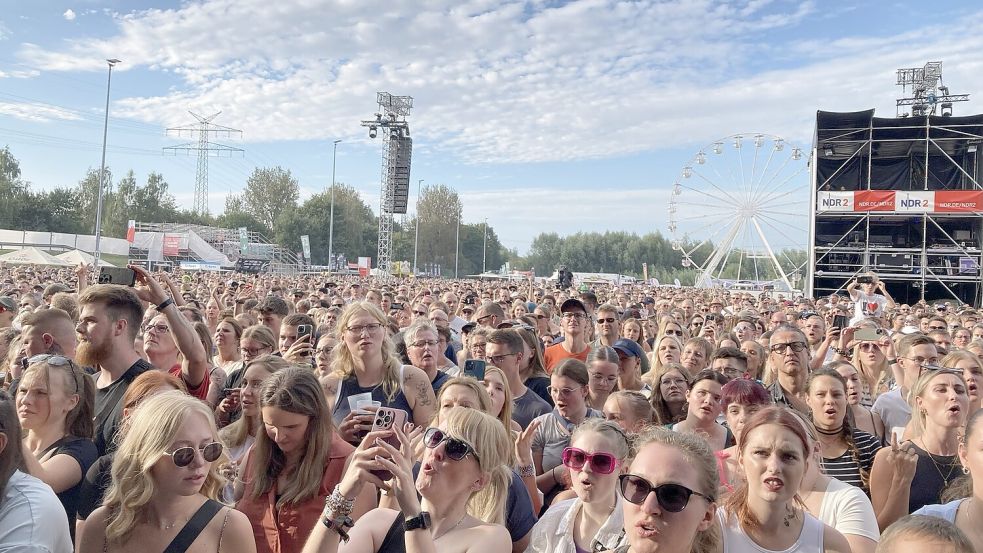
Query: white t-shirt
x: 32, y: 520
x: 894, y: 411
x: 866, y: 306
x: 945, y: 511
x: 847, y: 509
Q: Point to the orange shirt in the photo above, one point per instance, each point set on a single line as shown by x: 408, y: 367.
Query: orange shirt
x: 201, y: 392
x: 556, y: 353
x: 286, y: 530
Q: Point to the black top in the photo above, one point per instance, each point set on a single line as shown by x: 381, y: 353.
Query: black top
x: 84, y: 453
x: 540, y: 385
x: 932, y: 474
x: 94, y: 485
x: 395, y: 540
x: 109, y: 405
x: 847, y: 469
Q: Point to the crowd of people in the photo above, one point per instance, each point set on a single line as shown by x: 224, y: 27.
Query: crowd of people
x: 222, y: 412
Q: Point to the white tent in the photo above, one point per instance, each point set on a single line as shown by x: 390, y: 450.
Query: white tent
x: 75, y: 257
x: 31, y: 256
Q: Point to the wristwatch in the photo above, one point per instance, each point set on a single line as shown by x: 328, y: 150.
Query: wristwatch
x: 419, y: 522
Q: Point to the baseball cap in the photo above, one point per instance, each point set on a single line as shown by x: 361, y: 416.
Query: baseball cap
x: 8, y: 303
x: 53, y: 289
x: 489, y: 308
x: 572, y: 304
x: 628, y: 347
x: 647, y: 301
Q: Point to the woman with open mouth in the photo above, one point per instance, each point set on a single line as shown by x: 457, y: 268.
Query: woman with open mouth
x: 594, y: 518
x: 972, y: 369
x: 865, y: 419
x: 704, y: 401
x: 766, y: 514
x: 669, y: 493
x: 908, y: 476
x: 740, y: 399
x: 847, y: 453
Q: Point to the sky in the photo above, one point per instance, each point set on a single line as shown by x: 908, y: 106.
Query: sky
x: 544, y: 115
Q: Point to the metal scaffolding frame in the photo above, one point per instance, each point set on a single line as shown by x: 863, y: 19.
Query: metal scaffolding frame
x: 930, y: 264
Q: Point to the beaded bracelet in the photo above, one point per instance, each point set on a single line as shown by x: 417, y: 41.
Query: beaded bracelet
x: 525, y: 471
x: 338, y: 504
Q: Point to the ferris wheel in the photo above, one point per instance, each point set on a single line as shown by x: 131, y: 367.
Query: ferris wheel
x: 739, y: 212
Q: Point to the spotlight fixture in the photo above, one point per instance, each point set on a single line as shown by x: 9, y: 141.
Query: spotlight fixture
x: 372, y: 132
x: 946, y: 109
x: 828, y: 150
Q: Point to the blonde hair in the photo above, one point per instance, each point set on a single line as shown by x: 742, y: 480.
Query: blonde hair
x: 506, y: 414
x: 492, y: 448
x: 153, y: 426
x: 617, y: 438
x: 342, y: 362
x: 918, y: 416
x: 78, y: 421
x: 294, y: 390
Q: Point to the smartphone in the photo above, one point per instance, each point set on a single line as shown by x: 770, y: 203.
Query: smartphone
x: 396, y: 307
x: 865, y: 279
x: 840, y: 321
x: 869, y: 334
x: 304, y: 330
x: 475, y: 368
x: 386, y: 418
x: 117, y: 275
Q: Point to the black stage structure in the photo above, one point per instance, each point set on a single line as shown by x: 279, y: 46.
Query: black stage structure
x: 899, y: 196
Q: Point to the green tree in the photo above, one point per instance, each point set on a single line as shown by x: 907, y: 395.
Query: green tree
x: 269, y: 192
x: 439, y: 209
x: 355, y: 226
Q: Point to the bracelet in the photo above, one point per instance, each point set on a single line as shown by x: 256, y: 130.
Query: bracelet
x: 162, y: 306
x: 337, y: 504
x: 339, y: 525
x: 892, y: 361
x: 525, y: 471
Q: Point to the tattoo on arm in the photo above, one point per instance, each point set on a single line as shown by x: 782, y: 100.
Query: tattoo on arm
x: 422, y: 397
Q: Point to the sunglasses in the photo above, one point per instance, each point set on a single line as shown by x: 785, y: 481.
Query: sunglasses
x: 183, y: 456
x: 454, y: 448
x: 601, y: 463
x: 671, y: 497
x: 608, y: 320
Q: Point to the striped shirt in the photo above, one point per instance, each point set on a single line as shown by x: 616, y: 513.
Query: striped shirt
x: 845, y: 468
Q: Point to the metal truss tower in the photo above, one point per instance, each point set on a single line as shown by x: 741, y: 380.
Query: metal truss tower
x: 396, y: 152
x: 927, y: 89
x: 204, y: 148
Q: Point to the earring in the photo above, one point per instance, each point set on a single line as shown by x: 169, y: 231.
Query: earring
x: 965, y: 470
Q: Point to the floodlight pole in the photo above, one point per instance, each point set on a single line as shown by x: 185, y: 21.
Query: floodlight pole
x: 334, y: 160
x: 484, y: 247
x: 102, y: 168
x: 416, y: 239
x: 457, y: 244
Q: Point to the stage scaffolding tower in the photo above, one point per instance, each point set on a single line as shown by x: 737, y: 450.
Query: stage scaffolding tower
x: 396, y: 153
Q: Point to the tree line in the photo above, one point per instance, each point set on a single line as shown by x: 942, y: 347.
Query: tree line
x: 270, y: 204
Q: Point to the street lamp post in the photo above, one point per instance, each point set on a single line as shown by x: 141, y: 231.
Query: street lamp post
x: 334, y: 160
x: 416, y: 239
x: 102, y: 170
x: 484, y: 247
x: 457, y: 244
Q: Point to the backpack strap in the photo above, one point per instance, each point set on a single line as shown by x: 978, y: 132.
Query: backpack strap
x: 189, y: 533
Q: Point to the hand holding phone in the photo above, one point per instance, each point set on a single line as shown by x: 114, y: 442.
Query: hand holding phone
x: 475, y: 368
x: 386, y: 418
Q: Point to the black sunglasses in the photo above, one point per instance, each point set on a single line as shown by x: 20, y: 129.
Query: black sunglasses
x: 455, y: 449
x: 183, y: 456
x: 671, y: 497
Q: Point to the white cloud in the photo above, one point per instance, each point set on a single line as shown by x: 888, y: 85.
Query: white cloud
x: 37, y: 112
x: 69, y: 15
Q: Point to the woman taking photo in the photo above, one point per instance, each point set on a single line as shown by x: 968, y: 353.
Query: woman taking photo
x: 462, y: 481
x: 296, y: 462
x: 864, y: 419
x: 909, y: 476
x: 704, y: 405
x: 847, y: 453
x: 165, y: 479
x: 603, y: 366
x: 365, y: 363
x: 594, y: 519
x: 871, y: 360
x: 765, y: 513
x: 669, y: 495
x: 671, y: 384
x: 55, y: 405
x: 228, y: 334
x: 629, y: 410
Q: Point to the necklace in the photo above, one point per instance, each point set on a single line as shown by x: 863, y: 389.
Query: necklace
x: 830, y: 432
x: 931, y: 457
x: 451, y: 529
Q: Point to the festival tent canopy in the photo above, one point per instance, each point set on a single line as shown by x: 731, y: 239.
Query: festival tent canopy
x: 75, y: 257
x: 31, y: 256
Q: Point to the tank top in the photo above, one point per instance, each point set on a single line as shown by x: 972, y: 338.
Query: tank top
x: 349, y: 386
x: 932, y: 474
x: 810, y: 539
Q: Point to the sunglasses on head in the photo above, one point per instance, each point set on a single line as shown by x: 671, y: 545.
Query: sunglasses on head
x: 454, y: 448
x: 183, y: 456
x: 601, y: 463
x: 671, y: 497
